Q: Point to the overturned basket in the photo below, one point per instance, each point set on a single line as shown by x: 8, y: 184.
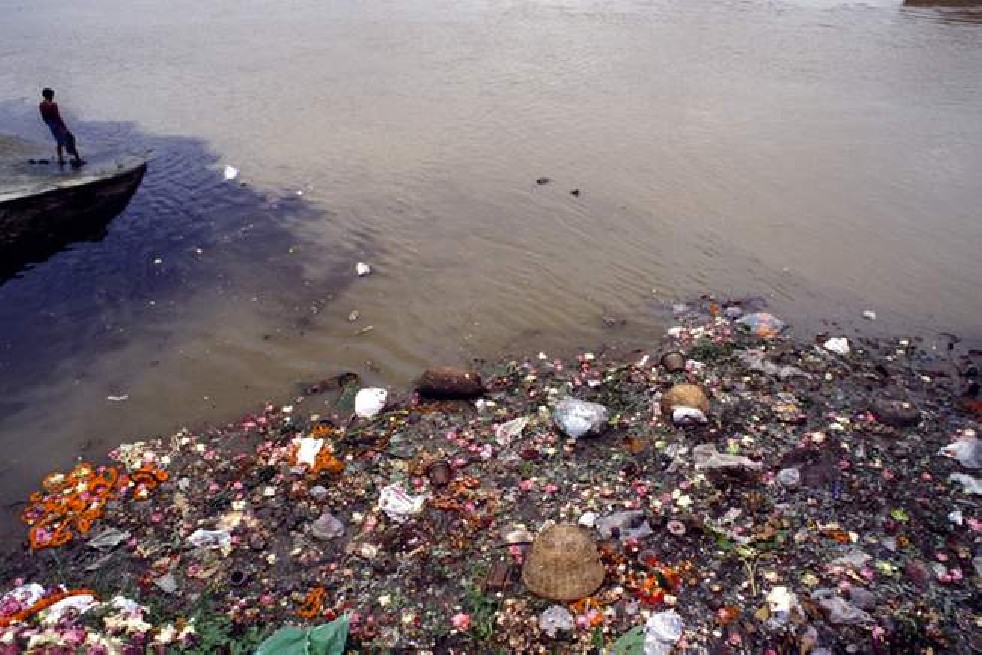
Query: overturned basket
x: 563, y: 564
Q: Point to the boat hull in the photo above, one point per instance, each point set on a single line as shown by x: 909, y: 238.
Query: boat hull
x: 35, y: 225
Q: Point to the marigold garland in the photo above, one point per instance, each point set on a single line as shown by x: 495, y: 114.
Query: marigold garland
x: 70, y: 503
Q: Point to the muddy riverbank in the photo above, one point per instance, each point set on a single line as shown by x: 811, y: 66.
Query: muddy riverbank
x: 750, y: 493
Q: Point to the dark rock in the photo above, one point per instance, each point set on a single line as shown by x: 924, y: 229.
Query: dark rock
x: 673, y: 362
x: 543, y: 180
x: 895, y: 413
x: 862, y: 598
x: 450, y: 384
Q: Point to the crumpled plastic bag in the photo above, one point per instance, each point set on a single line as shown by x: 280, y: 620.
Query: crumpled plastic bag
x: 108, y: 539
x: 398, y: 504
x: 326, y: 639
x: 505, y: 432
x: 210, y: 539
x: 630, y: 524
x: 762, y: 324
x: 969, y: 484
x: 307, y: 450
x: 780, y: 604
x: 554, y: 619
x: 370, y: 401
x: 754, y: 360
x: 707, y: 457
x: 662, y: 632
x: 578, y: 417
x: 687, y: 416
x: 838, y: 609
x: 967, y: 450
x: 837, y: 345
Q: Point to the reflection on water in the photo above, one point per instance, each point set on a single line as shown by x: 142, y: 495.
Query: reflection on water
x: 822, y: 153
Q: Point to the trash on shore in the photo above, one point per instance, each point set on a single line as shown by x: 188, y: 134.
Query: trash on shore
x: 750, y: 494
x: 361, y: 268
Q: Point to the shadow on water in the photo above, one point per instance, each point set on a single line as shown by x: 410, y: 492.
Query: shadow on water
x: 186, y: 233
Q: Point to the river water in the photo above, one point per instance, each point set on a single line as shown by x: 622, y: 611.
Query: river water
x: 822, y: 154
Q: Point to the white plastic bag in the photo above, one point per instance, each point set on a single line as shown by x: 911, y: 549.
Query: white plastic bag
x: 210, y: 539
x: 398, y: 505
x: 837, y: 345
x: 370, y: 401
x: 967, y: 450
x: 578, y: 417
x: 662, y: 632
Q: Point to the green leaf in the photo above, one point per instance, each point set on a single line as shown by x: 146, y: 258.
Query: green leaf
x: 899, y: 514
x: 630, y: 643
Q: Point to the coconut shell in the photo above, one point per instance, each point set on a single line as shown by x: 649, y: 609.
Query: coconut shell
x: 685, y: 395
x: 563, y: 564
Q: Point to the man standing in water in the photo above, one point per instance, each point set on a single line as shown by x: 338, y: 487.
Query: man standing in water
x: 64, y: 137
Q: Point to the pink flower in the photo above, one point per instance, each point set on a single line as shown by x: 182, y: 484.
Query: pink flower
x: 888, y: 474
x: 878, y: 632
x: 926, y: 476
x: 461, y: 621
x: 975, y: 524
x: 956, y: 575
x: 942, y: 557
x: 526, y: 485
x: 551, y: 488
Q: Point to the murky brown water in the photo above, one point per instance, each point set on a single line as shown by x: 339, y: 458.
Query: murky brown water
x: 823, y: 154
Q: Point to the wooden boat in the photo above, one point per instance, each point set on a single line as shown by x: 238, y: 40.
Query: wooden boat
x: 43, y: 208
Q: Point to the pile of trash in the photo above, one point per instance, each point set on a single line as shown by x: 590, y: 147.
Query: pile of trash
x: 730, y: 490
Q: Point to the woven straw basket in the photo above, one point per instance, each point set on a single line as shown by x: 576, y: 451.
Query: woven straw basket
x: 563, y: 564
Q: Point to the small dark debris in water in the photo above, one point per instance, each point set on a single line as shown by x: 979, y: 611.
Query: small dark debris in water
x: 543, y: 180
x: 575, y: 192
x: 613, y: 321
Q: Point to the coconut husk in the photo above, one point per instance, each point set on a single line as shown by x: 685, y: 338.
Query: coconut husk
x: 450, y: 384
x: 685, y: 395
x: 563, y: 564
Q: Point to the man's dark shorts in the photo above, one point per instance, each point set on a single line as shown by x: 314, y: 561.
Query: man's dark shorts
x: 61, y: 134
